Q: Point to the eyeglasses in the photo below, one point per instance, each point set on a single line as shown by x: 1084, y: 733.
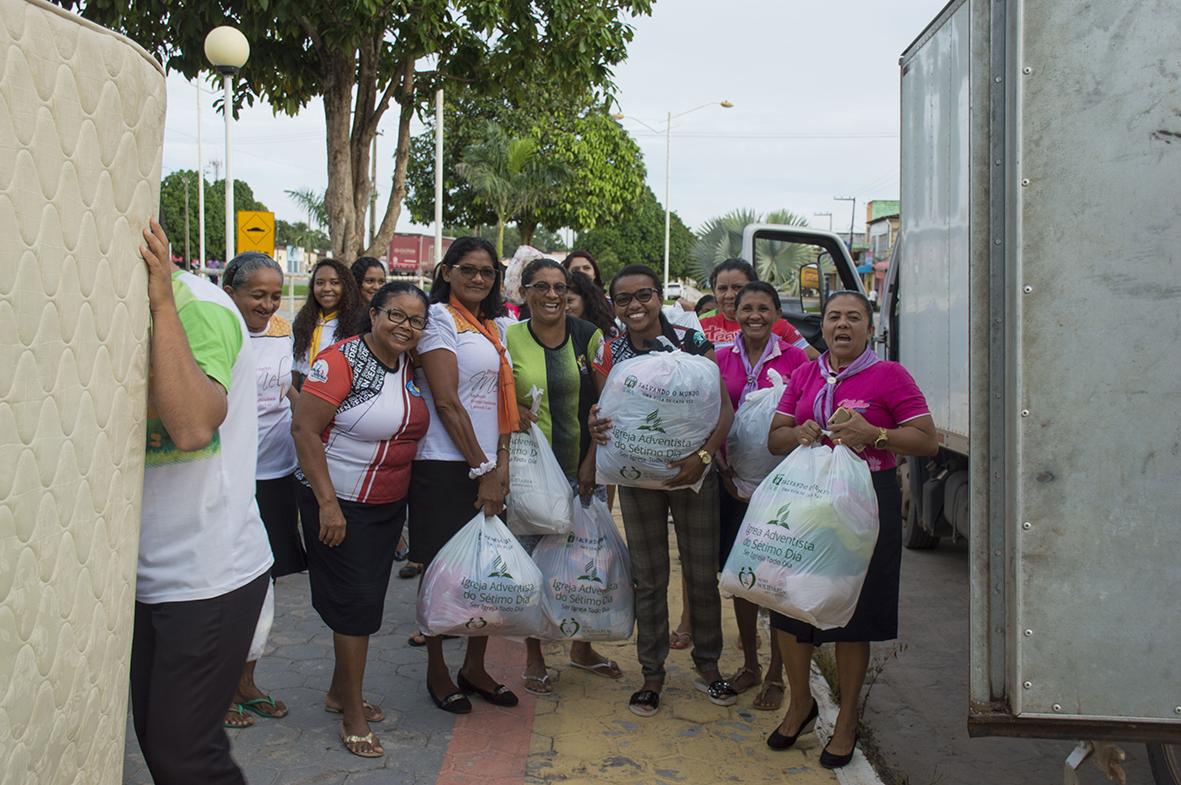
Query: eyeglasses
x: 398, y: 318
x: 541, y: 287
x: 470, y: 271
x: 643, y: 295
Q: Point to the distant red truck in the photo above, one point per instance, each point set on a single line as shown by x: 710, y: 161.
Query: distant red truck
x: 408, y: 251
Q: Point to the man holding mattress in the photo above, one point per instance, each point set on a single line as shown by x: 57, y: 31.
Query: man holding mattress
x: 204, y: 557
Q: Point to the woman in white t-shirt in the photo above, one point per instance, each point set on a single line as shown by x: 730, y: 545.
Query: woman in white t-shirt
x: 254, y: 283
x: 462, y: 462
x: 332, y: 312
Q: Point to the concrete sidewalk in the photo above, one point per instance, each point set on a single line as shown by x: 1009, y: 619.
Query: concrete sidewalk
x: 582, y: 733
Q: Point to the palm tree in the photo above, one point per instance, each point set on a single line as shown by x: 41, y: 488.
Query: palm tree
x: 509, y: 177
x: 776, y: 262
x: 312, y: 204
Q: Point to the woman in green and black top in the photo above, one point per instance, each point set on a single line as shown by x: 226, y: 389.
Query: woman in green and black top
x: 552, y: 352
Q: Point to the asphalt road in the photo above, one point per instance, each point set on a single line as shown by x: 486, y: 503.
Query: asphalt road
x: 918, y: 706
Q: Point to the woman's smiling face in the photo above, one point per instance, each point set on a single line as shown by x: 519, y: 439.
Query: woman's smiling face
x: 637, y: 302
x: 726, y: 288
x: 326, y: 288
x: 547, y: 305
x: 757, y: 314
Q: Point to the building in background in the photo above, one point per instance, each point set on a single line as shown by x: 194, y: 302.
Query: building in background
x: 881, y: 229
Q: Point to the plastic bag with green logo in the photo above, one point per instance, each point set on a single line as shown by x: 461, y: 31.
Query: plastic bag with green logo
x: 663, y: 406
x: 746, y: 444
x: 539, y: 499
x: 482, y: 582
x: 807, y: 538
x: 586, y: 579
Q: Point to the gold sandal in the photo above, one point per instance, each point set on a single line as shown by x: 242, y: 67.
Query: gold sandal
x: 369, y: 738
x: 762, y: 704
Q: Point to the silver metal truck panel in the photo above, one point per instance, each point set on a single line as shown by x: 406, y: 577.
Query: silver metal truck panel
x: 1086, y: 529
x: 933, y: 276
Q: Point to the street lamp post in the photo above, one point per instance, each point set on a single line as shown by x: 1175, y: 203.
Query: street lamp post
x: 668, y: 125
x: 227, y: 51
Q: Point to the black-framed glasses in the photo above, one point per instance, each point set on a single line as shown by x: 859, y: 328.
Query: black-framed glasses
x: 398, y: 318
x: 643, y: 295
x: 470, y: 271
x: 542, y: 287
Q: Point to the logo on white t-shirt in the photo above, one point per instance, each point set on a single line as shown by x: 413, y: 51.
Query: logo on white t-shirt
x: 319, y: 371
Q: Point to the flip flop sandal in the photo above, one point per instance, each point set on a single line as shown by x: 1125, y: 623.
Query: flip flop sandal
x: 239, y: 710
x: 735, y: 681
x: 680, y: 640
x: 368, y: 738
x: 608, y: 669
x: 373, y: 712
x: 644, y: 703
x: 537, y: 685
x: 252, y: 706
x: 762, y: 703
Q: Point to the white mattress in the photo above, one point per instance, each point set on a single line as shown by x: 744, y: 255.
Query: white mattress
x: 81, y: 125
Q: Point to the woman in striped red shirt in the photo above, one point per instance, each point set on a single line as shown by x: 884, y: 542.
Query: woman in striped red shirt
x: 357, y: 424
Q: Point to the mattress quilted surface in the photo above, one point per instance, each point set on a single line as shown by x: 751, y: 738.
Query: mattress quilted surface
x: 81, y: 126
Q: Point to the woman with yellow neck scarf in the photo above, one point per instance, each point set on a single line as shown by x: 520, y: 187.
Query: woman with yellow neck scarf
x: 332, y: 312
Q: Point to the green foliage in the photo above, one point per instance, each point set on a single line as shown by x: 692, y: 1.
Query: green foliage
x: 600, y: 169
x: 172, y: 211
x: 300, y: 234
x: 312, y: 204
x: 639, y: 239
x: 720, y: 238
x: 543, y: 239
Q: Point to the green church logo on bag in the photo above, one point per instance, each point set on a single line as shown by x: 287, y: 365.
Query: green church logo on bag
x: 746, y: 577
x: 499, y: 569
x: 653, y: 422
x: 629, y: 473
x: 780, y: 518
x: 476, y: 623
x: 630, y: 382
x: 570, y: 627
x: 592, y: 573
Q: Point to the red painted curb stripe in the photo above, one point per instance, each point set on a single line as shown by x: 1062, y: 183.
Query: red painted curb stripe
x: 490, y: 746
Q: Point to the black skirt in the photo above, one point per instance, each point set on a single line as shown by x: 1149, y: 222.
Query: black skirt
x: 876, y: 616
x: 278, y: 504
x: 349, y: 582
x: 730, y: 517
x: 442, y: 500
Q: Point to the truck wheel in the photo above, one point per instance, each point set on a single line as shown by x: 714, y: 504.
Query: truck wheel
x: 914, y: 536
x: 1165, y: 762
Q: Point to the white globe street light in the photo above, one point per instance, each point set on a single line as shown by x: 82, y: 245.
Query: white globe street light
x: 227, y: 50
x: 668, y: 125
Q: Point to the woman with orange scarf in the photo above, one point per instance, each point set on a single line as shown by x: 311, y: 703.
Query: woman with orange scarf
x: 462, y: 462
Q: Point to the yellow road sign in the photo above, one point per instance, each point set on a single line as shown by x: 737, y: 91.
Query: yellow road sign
x: 256, y: 232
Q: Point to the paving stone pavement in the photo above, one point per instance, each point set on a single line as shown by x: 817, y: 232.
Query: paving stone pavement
x: 582, y: 733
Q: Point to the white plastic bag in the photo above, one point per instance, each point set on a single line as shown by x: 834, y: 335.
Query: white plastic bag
x: 539, y: 499
x: 746, y: 444
x: 680, y: 317
x: 586, y: 579
x: 663, y: 406
x: 262, y: 628
x: 481, y: 583
x: 807, y: 538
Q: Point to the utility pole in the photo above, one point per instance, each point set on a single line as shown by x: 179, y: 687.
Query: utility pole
x: 216, y: 164
x: 186, y: 265
x: 825, y: 215
x: 852, y: 217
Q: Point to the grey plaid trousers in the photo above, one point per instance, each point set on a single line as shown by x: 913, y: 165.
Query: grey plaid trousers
x: 695, y: 520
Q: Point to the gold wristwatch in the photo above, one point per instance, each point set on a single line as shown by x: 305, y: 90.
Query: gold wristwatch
x: 706, y: 458
x: 880, y: 442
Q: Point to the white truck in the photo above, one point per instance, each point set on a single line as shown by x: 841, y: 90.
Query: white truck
x: 1034, y: 295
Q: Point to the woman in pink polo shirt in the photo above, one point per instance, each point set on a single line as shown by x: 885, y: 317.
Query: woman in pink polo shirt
x: 744, y: 364
x: 875, y: 408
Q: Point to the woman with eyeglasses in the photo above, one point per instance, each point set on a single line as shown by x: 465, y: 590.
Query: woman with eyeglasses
x: 552, y: 352
x: 462, y: 463
x: 636, y: 293
x: 357, y: 424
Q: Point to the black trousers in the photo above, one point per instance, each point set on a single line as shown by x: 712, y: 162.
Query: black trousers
x: 186, y: 659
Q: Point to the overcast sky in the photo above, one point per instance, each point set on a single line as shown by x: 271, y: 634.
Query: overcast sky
x: 814, y: 87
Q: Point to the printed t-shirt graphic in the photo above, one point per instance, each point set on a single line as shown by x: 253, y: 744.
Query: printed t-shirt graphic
x: 673, y: 336
x: 563, y: 374
x: 201, y: 535
x: 885, y: 394
x: 380, y: 416
x: 273, y: 358
x: 718, y: 329
x: 479, y: 381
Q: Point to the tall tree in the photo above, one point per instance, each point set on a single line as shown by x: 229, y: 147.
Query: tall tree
x: 172, y: 210
x: 364, y: 57
x: 639, y: 238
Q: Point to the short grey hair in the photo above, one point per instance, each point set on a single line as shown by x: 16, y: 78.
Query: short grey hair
x: 243, y: 267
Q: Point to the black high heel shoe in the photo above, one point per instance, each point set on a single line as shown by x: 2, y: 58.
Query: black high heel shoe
x: 778, y: 741
x: 831, y: 761
x: 499, y: 695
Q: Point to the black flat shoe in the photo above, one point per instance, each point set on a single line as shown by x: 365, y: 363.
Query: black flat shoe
x: 456, y: 702
x: 830, y: 761
x: 778, y: 741
x: 500, y: 695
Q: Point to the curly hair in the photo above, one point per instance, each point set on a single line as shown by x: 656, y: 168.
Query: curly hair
x: 596, y: 309
x: 350, y: 314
